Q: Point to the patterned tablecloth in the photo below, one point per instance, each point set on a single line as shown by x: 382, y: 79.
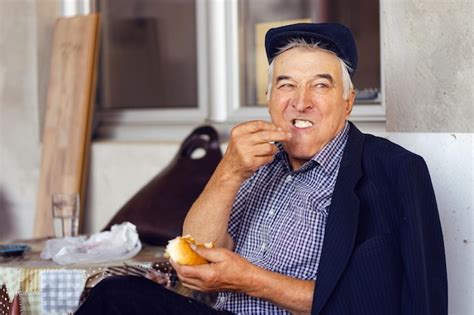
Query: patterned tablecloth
x: 30, y: 285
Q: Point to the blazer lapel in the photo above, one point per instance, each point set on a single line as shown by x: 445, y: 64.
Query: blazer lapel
x: 341, y: 225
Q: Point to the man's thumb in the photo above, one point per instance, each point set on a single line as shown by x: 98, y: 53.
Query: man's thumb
x: 210, y: 254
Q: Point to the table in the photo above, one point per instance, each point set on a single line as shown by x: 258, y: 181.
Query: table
x: 31, y: 285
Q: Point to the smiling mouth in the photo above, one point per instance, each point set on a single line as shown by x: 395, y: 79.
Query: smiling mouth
x: 302, y: 123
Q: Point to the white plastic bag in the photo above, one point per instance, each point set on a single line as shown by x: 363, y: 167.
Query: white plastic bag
x: 120, y: 243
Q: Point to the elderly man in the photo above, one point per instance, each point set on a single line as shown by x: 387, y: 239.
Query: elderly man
x: 307, y: 213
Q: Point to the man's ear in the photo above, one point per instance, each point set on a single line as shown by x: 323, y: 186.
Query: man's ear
x: 350, y: 101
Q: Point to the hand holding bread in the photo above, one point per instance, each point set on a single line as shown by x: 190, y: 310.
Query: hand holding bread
x: 181, y: 251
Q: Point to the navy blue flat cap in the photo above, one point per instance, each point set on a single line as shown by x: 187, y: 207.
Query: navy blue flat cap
x: 332, y: 36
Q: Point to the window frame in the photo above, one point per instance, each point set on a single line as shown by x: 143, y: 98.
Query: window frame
x: 166, y: 116
x: 218, y: 78
x: 237, y: 112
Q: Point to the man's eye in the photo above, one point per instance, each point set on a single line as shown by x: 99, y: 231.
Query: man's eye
x: 286, y: 85
x: 321, y: 85
x: 321, y: 88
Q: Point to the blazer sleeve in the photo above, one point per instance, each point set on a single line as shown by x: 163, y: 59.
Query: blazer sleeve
x: 424, y: 283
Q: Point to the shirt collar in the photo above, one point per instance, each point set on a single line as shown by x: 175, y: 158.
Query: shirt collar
x: 328, y: 157
x: 331, y: 153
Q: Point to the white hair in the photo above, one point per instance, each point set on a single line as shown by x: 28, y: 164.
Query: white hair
x: 301, y: 43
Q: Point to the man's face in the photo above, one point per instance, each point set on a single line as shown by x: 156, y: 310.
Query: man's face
x: 307, y: 100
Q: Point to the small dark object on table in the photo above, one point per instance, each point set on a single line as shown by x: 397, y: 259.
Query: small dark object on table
x: 12, y: 250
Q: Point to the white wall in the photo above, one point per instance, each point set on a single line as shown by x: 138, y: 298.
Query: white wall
x: 118, y: 169
x: 429, y: 77
x: 19, y: 124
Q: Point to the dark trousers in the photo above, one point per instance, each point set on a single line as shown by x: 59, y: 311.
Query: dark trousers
x: 138, y: 295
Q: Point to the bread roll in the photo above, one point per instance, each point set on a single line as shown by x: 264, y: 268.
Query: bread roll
x: 181, y: 251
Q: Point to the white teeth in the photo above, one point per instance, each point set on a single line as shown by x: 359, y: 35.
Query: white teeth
x: 299, y: 123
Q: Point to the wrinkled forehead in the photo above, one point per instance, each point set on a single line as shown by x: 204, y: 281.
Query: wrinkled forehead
x: 304, y: 61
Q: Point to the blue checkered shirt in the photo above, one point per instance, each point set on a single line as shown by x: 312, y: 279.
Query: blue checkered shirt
x: 278, y: 220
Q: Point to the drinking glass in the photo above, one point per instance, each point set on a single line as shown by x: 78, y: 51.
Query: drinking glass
x: 65, y: 214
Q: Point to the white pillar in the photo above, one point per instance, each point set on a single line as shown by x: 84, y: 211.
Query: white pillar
x: 218, y: 64
x: 78, y: 7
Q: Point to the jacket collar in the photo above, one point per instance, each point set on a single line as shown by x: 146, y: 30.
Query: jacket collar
x: 341, y: 226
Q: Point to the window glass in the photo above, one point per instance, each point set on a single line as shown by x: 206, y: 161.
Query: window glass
x: 255, y: 17
x: 148, y: 56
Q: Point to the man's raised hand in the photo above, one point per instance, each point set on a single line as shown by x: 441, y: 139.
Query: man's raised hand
x: 251, y: 146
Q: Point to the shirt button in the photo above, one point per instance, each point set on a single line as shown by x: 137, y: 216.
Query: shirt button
x: 288, y: 179
x: 263, y: 247
x: 271, y: 212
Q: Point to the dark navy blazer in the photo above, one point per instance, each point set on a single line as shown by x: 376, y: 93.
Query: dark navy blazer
x: 383, y: 250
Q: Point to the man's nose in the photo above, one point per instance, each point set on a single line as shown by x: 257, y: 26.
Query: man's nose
x: 302, y: 100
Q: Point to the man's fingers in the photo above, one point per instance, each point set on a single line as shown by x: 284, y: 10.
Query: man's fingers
x: 211, y: 254
x: 189, y: 272
x: 184, y: 270
x: 269, y: 136
x: 175, y: 266
x: 245, y: 154
x: 254, y: 126
x: 264, y: 149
